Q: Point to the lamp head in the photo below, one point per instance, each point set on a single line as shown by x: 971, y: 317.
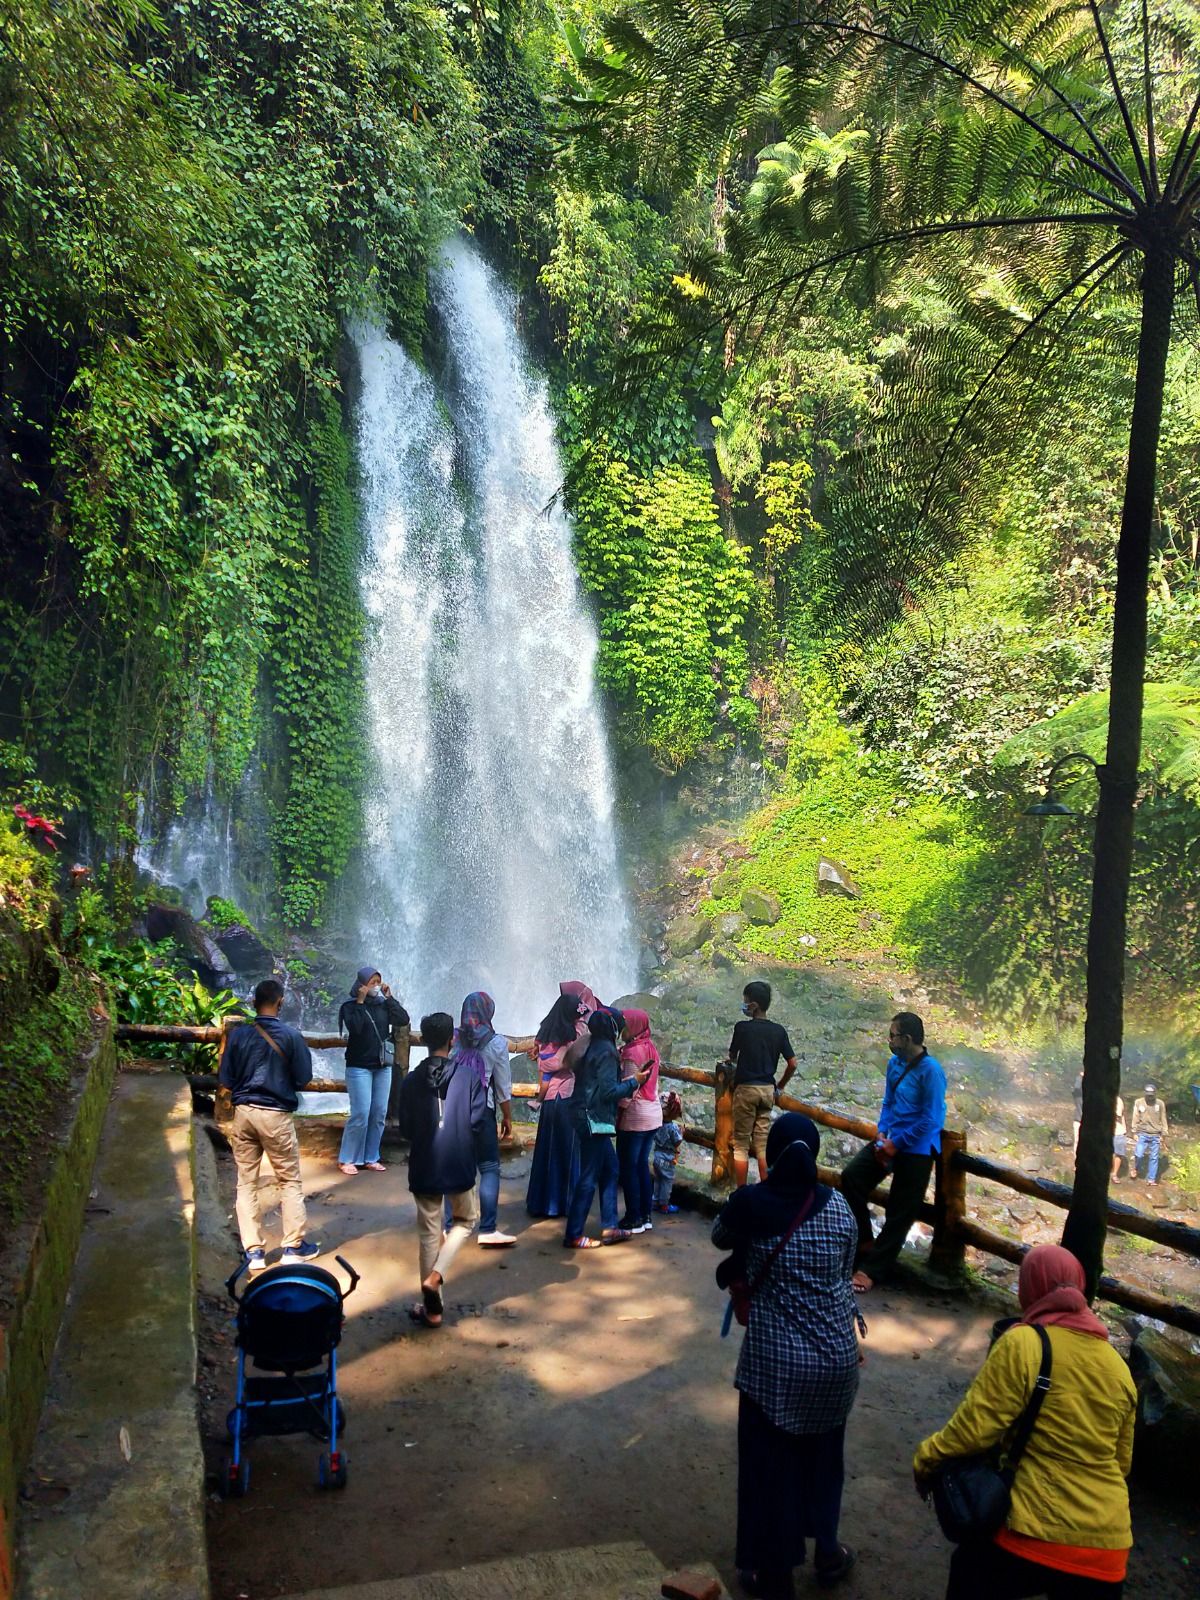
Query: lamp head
x: 1049, y: 806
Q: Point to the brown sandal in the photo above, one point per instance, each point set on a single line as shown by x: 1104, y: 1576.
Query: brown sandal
x: 582, y: 1243
x: 615, y: 1236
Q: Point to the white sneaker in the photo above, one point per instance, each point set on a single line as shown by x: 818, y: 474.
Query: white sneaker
x: 497, y: 1240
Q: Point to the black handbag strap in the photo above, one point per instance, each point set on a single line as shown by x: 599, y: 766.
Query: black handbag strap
x: 753, y: 1288
x: 1034, y: 1404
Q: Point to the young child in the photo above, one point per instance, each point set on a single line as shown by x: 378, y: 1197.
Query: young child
x: 754, y: 1053
x: 667, y: 1140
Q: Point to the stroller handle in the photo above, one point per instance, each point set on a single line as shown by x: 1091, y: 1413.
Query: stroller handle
x: 243, y: 1264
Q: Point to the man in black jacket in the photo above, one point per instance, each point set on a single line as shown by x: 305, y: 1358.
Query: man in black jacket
x: 264, y: 1066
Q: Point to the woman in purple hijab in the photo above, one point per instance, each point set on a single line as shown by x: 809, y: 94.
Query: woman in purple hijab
x: 480, y: 1049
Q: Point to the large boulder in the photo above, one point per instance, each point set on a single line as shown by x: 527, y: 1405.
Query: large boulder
x: 199, y: 949
x: 1167, y: 1375
x: 651, y: 1004
x: 731, y: 926
x: 762, y: 907
x: 241, y: 946
x: 724, y: 885
x: 686, y: 934
x: 833, y: 877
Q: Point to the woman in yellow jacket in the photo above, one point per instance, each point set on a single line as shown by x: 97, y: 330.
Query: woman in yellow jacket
x: 1068, y: 1534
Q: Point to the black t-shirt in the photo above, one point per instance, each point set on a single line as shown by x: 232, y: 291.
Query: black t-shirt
x: 756, y: 1046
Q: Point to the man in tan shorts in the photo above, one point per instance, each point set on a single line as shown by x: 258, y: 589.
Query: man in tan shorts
x: 755, y: 1051
x: 264, y: 1066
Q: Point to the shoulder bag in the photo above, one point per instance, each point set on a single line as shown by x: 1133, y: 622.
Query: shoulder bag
x: 387, y: 1050
x: 973, y: 1494
x: 731, y: 1274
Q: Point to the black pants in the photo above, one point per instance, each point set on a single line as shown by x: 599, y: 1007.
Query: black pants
x: 986, y: 1572
x: 789, y: 1489
x: 910, y: 1179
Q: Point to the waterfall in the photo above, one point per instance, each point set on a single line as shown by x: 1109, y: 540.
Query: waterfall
x: 491, y: 856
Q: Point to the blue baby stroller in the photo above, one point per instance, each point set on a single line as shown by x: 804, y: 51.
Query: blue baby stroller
x: 289, y: 1321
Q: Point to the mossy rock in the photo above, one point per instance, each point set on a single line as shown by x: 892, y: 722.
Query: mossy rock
x: 762, y: 907
x: 686, y: 934
x: 725, y: 885
x: 731, y: 926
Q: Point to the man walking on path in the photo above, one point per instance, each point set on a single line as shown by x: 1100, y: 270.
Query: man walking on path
x: 445, y: 1108
x: 264, y: 1066
x: 910, y: 1135
x: 1149, y: 1128
x: 755, y: 1051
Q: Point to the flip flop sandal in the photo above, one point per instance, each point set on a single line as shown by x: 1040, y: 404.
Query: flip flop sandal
x: 616, y: 1236
x: 348, y: 1168
x: 583, y: 1243
x: 422, y: 1318
x: 432, y: 1301
x: 838, y: 1569
x: 375, y: 1166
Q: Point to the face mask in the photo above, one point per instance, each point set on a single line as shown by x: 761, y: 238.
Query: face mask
x: 745, y: 1008
x: 375, y: 991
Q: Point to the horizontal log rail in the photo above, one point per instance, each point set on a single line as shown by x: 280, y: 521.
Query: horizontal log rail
x: 953, y: 1229
x: 1126, y: 1218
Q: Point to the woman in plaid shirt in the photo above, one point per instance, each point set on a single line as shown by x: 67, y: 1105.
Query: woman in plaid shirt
x: 797, y: 1374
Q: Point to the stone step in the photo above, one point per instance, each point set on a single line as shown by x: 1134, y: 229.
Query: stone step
x: 592, y: 1572
x: 117, y: 1474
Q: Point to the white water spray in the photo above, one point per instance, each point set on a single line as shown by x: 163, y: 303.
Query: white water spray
x: 491, y: 849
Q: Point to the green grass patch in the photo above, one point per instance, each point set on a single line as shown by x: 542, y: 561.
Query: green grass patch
x: 900, y: 850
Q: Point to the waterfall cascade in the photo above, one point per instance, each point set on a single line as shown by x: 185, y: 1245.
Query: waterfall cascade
x: 490, y: 845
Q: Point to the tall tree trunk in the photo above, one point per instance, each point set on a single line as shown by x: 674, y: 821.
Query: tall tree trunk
x: 1085, y: 1229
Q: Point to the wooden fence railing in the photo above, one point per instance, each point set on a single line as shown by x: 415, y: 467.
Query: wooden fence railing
x: 953, y: 1228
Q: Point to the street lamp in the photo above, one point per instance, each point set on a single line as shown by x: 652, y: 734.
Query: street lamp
x: 1050, y: 805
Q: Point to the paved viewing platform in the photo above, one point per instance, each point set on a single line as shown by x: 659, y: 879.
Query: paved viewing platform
x: 569, y: 1432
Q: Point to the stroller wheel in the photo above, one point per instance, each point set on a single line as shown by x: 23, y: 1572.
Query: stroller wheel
x: 235, y: 1480
x: 331, y: 1471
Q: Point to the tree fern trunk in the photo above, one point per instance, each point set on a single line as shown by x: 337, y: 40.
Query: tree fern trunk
x: 1113, y: 847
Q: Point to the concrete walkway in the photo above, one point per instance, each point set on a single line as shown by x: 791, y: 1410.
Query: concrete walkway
x: 572, y: 1400
x: 599, y: 1572
x: 115, y: 1504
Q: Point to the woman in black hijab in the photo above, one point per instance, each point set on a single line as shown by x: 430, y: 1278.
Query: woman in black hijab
x: 555, y: 1165
x: 793, y: 1242
x: 593, y: 1107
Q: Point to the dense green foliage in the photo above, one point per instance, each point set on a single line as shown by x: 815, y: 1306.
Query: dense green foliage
x: 192, y: 199
x: 784, y: 562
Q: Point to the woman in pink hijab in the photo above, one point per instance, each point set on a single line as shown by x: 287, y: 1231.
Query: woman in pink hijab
x: 1068, y: 1532
x: 555, y: 1164
x: 637, y: 1119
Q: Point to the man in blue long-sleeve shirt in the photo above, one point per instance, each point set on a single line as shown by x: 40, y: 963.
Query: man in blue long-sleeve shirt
x: 910, y: 1135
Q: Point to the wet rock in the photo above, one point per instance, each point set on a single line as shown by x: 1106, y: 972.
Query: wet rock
x: 833, y: 877
x: 1168, y: 1381
x: 762, y: 907
x: 686, y: 934
x: 164, y: 921
x: 243, y: 949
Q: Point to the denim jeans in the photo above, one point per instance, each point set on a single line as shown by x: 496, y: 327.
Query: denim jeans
x: 487, y: 1159
x: 368, y: 1088
x: 1148, y: 1144
x: 664, y: 1182
x: 597, y: 1166
x: 633, y: 1158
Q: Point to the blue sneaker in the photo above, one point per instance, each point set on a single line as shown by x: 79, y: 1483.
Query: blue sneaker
x: 295, y: 1254
x: 256, y: 1260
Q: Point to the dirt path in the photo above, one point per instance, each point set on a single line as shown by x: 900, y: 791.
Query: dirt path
x: 570, y: 1399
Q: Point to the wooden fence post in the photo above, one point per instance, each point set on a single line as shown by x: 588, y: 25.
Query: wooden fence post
x: 722, y: 1160
x: 222, y: 1099
x: 402, y: 1050
x: 947, y: 1253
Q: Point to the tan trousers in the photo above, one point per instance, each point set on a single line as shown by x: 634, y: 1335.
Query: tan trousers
x: 258, y: 1131
x: 437, y: 1253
